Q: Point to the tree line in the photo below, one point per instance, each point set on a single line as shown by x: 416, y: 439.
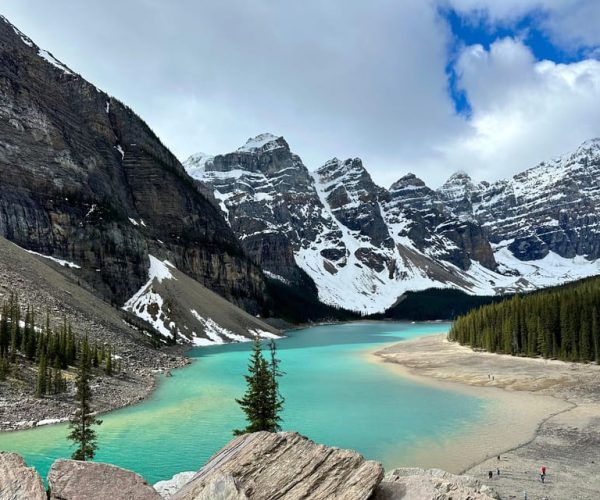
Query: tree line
x: 561, y: 323
x: 52, y: 349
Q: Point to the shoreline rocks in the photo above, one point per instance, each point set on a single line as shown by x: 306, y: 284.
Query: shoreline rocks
x: 76, y: 480
x: 258, y: 466
x: 17, y: 481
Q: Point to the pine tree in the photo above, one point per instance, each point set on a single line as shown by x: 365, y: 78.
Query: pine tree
x: 42, y: 377
x: 4, y: 366
x: 59, y: 383
x: 257, y: 402
x: 276, y: 400
x: 82, y: 433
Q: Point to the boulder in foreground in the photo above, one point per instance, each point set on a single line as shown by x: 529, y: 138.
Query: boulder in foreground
x: 75, y: 480
x: 285, y: 466
x: 17, y: 481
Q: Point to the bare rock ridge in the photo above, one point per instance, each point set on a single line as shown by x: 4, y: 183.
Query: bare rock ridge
x: 84, y: 179
x: 364, y: 245
x: 259, y: 466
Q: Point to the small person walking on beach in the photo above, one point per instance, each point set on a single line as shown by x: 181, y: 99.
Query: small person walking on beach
x: 543, y: 473
x: 490, y: 474
x: 497, y: 471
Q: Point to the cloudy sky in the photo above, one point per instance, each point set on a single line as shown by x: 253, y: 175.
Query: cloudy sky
x: 425, y: 86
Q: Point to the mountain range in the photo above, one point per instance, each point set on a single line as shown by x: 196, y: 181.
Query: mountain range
x: 364, y: 245
x: 212, y: 250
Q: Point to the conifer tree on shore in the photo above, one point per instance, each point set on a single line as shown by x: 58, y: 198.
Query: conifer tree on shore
x: 262, y: 402
x: 81, y: 424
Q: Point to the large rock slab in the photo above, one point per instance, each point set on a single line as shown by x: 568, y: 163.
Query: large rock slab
x: 75, y: 480
x: 285, y: 466
x: 17, y: 481
x: 434, y: 484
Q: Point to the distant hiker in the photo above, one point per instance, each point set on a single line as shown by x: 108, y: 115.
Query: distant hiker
x: 542, y: 477
x: 490, y: 474
x: 524, y: 495
x: 497, y: 471
x: 498, y: 457
x: 543, y: 470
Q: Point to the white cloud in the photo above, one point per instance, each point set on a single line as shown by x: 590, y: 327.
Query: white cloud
x: 573, y: 24
x: 339, y: 78
x: 523, y: 110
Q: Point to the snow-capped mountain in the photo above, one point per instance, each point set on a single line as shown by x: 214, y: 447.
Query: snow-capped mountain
x: 364, y: 245
x: 550, y: 208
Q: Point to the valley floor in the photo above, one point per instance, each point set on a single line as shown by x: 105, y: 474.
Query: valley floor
x: 544, y: 413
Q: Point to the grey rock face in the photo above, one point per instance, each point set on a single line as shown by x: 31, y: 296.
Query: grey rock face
x: 268, y: 197
x: 353, y: 198
x: 86, y: 180
x: 551, y: 207
x: 420, y: 215
x: 285, y: 466
x: 17, y: 481
x: 75, y: 480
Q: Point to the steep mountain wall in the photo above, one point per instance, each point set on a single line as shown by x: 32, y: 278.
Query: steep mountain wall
x: 83, y: 178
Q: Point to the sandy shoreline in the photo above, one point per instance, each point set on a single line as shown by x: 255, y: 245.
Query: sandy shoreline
x: 541, y: 413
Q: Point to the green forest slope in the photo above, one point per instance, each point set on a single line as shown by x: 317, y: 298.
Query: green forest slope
x: 561, y: 323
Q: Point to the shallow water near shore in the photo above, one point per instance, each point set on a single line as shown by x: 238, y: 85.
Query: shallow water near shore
x: 332, y: 396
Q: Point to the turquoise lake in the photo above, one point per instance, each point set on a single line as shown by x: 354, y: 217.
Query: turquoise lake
x: 333, y: 396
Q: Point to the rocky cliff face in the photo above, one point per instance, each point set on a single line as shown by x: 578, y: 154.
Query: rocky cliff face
x: 85, y: 179
x: 550, y: 208
x: 364, y: 245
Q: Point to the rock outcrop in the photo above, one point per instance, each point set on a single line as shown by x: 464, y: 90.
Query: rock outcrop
x: 17, y: 481
x: 75, y: 480
x: 432, y: 484
x: 286, y: 466
x: 84, y: 179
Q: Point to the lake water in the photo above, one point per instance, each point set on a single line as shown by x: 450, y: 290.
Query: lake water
x: 332, y: 396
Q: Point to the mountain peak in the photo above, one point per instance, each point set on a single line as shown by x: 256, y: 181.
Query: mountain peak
x: 337, y: 169
x: 459, y: 176
x: 44, y: 54
x: 408, y: 180
x: 263, y: 142
x: 590, y: 144
x: 196, y: 163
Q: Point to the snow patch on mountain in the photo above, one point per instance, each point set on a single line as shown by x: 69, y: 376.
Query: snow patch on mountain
x: 259, y: 142
x: 148, y: 305
x: 195, y: 165
x: 62, y: 262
